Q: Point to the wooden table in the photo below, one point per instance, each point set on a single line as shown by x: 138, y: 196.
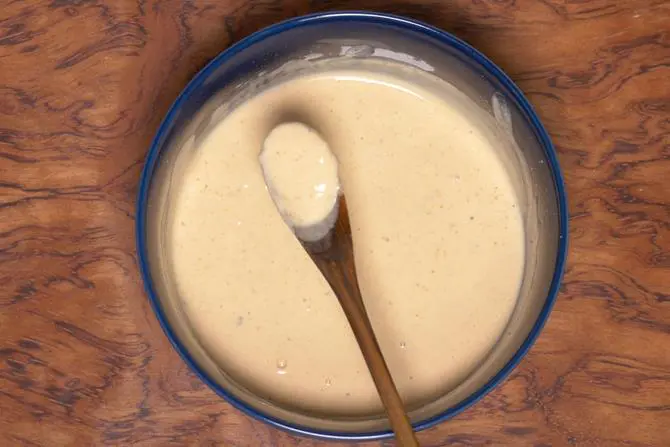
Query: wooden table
x: 83, y: 85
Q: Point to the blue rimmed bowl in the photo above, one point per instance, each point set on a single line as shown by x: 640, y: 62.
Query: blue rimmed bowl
x: 533, y: 165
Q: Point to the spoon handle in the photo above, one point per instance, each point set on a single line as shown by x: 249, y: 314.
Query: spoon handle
x: 337, y: 266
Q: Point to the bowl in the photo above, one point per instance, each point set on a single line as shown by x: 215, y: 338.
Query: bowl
x: 533, y: 165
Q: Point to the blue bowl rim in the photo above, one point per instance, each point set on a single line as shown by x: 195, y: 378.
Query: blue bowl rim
x: 369, y: 18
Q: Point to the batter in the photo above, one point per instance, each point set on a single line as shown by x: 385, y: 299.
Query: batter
x: 301, y: 173
x: 437, y: 231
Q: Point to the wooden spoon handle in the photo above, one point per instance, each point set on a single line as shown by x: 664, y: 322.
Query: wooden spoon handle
x: 346, y: 288
x: 337, y: 266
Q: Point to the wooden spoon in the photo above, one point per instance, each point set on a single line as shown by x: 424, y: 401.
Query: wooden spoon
x: 332, y: 251
x: 334, y: 256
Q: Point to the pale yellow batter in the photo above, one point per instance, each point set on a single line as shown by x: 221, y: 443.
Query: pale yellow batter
x: 437, y: 231
x: 300, y: 171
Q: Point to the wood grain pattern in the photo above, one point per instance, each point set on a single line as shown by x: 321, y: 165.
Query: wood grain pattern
x: 83, y: 85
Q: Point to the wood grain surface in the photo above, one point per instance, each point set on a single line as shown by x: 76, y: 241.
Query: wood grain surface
x: 83, y: 86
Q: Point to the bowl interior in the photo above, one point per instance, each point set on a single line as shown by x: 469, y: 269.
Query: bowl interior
x: 524, y: 148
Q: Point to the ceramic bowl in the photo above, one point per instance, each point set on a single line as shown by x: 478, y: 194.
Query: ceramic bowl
x: 362, y: 34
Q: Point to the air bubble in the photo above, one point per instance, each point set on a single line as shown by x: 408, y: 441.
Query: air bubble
x: 281, y: 366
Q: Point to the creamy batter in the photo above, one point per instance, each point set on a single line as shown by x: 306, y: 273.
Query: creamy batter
x: 301, y: 173
x: 437, y: 232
